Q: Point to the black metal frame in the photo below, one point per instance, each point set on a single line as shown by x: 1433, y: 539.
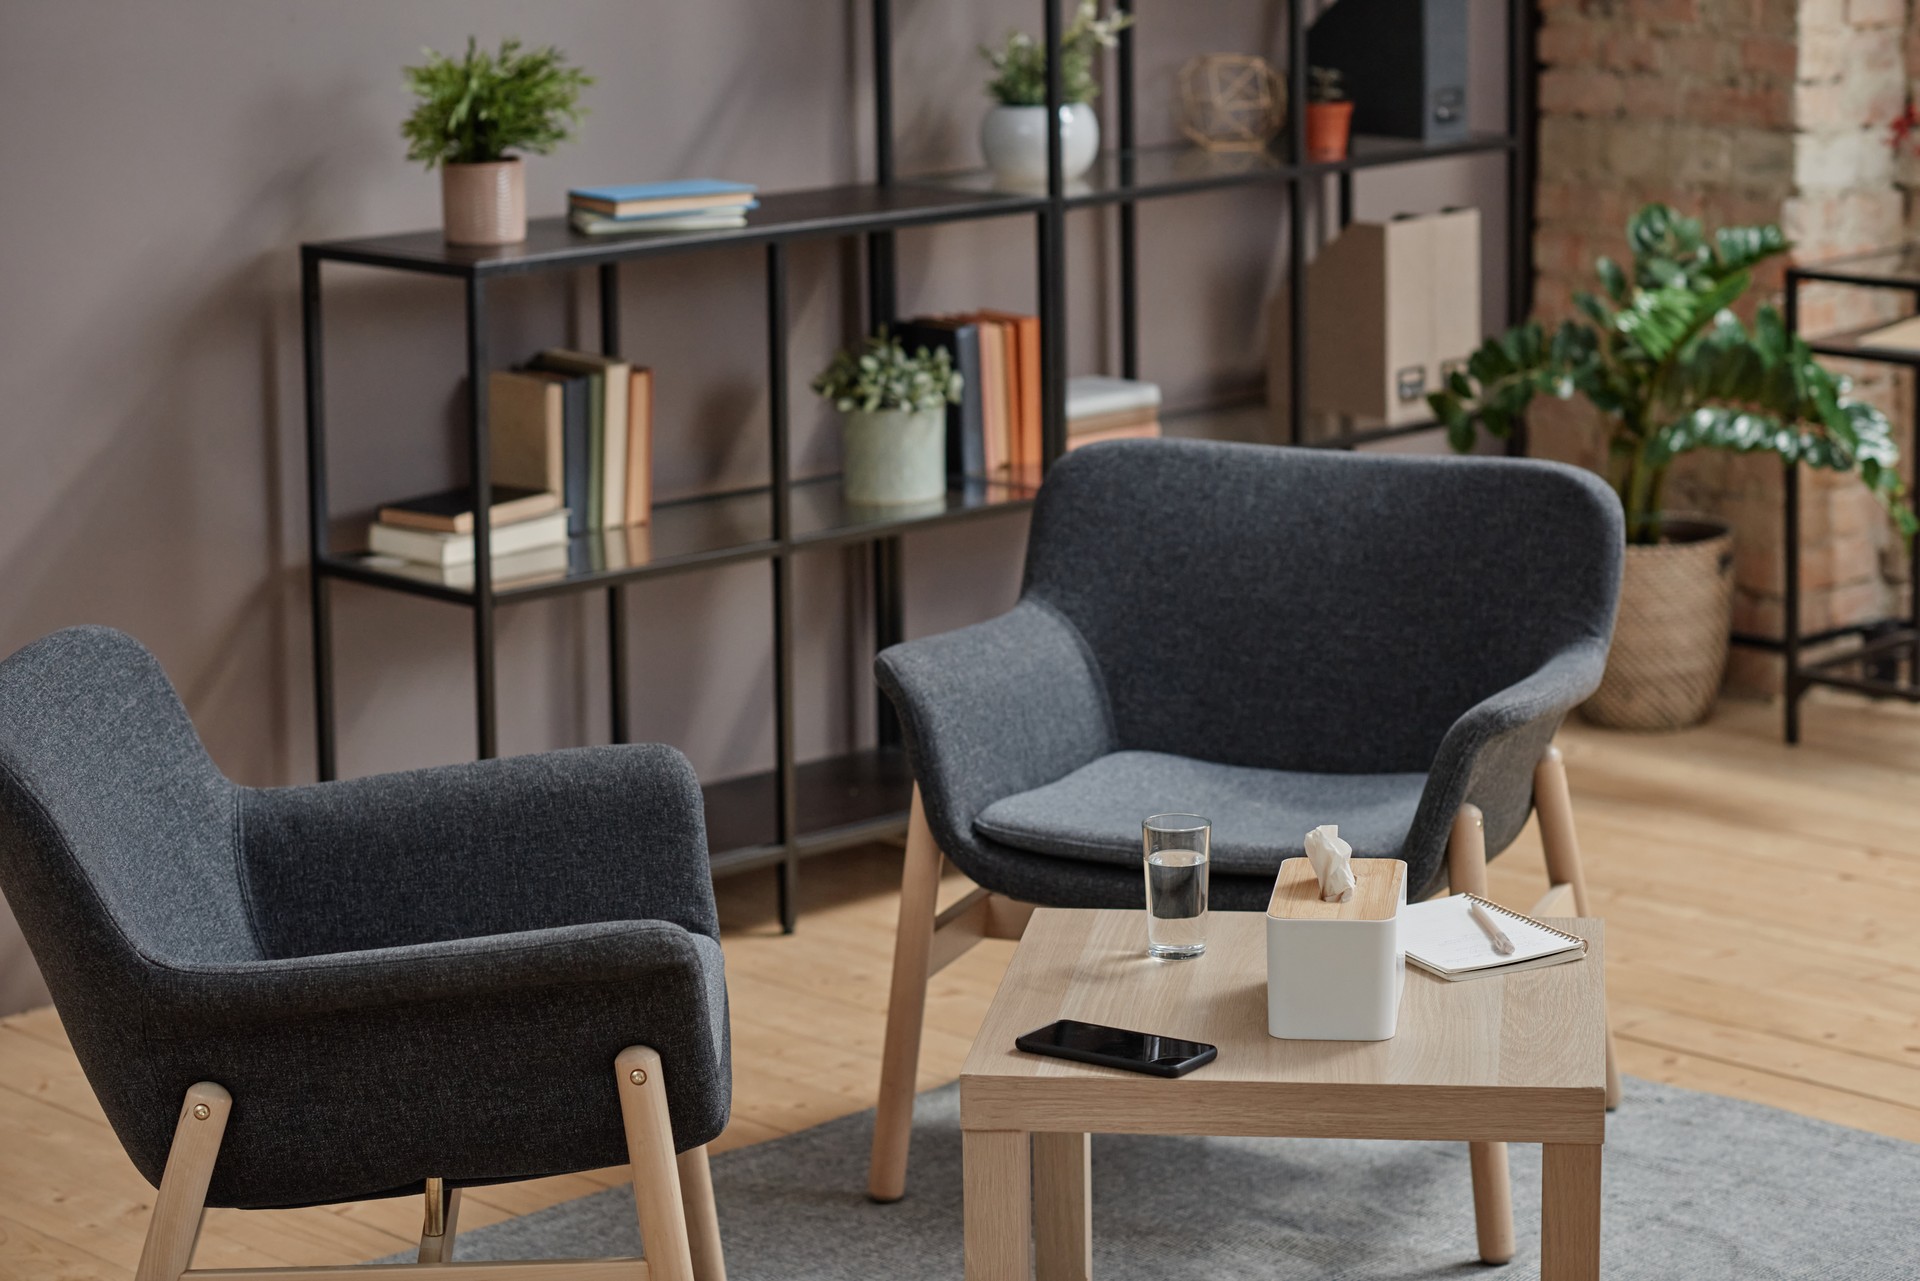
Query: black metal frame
x: 1884, y: 642
x: 799, y: 809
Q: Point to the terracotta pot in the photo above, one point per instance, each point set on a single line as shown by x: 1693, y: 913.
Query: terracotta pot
x: 1328, y: 124
x: 1670, y: 642
x: 484, y: 204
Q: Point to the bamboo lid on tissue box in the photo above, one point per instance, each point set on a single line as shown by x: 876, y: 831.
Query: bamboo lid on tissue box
x: 1380, y: 887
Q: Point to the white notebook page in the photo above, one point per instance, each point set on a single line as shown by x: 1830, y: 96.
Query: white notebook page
x: 1442, y: 936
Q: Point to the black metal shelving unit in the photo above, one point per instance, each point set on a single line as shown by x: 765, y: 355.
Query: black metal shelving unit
x: 803, y: 808
x: 1887, y: 645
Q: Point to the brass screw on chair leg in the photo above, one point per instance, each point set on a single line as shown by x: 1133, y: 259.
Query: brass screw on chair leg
x: 201, y: 1111
x: 638, y: 1076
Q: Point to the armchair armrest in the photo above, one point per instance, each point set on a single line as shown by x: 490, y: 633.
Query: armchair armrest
x: 493, y: 847
x: 1488, y: 756
x: 256, y: 996
x: 994, y: 709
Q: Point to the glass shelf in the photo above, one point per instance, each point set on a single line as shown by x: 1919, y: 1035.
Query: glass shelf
x: 710, y: 530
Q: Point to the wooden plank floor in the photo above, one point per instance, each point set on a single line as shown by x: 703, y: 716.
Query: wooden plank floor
x: 1761, y: 908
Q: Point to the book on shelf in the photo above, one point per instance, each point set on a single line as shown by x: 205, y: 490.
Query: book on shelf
x: 1149, y: 430
x: 515, y: 569
x: 576, y: 416
x: 1023, y: 389
x: 588, y: 223
x: 526, y: 428
x: 1095, y: 424
x: 1096, y: 395
x: 431, y: 547
x: 450, y: 511
x: 639, y: 446
x: 684, y: 196
x: 965, y: 436
x: 995, y: 427
x: 609, y: 384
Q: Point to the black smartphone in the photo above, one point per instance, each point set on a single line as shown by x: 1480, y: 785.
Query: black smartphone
x: 1117, y: 1048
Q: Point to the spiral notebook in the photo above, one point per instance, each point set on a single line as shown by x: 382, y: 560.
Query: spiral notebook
x: 1441, y: 937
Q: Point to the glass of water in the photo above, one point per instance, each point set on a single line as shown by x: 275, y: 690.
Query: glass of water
x: 1177, y: 848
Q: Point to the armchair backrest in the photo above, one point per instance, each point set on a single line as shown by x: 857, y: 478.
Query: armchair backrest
x: 117, y: 840
x: 1295, y: 609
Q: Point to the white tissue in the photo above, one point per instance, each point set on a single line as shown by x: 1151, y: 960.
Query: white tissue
x: 1332, y: 860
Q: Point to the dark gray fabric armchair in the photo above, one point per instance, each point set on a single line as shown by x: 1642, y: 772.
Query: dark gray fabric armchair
x: 1274, y: 638
x: 420, y: 976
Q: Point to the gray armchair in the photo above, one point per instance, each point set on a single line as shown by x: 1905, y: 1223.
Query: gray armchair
x: 1274, y: 638
x: 360, y: 989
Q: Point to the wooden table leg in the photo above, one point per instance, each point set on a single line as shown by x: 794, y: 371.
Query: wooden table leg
x: 1063, y: 1206
x: 997, y: 1183
x: 1570, y: 1212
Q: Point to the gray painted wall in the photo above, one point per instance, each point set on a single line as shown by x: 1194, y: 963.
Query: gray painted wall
x: 162, y: 162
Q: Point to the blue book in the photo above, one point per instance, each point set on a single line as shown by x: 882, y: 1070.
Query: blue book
x: 661, y: 197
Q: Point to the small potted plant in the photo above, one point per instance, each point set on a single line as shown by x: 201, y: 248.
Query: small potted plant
x: 1014, y: 133
x: 894, y: 427
x: 1673, y: 370
x: 1329, y: 115
x: 471, y: 113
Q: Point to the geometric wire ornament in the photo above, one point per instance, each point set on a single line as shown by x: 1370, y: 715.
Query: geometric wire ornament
x: 1231, y: 102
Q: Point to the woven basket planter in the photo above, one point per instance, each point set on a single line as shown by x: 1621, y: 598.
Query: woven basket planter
x: 1670, y: 643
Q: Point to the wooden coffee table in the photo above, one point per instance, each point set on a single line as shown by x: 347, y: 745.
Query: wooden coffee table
x: 1518, y: 1058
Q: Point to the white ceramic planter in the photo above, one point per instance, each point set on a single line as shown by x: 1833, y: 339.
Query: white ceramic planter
x: 1014, y: 140
x: 484, y: 204
x: 1335, y: 971
x: 893, y: 456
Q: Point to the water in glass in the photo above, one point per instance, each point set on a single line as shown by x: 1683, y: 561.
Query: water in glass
x: 1176, y: 903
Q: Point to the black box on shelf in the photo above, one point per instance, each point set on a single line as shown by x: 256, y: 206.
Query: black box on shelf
x: 1404, y: 64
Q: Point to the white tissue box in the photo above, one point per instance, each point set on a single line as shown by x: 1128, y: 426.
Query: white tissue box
x: 1335, y: 970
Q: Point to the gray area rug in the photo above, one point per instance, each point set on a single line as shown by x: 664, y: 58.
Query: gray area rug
x: 1697, y: 1187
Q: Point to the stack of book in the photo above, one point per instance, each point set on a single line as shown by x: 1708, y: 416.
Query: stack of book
x: 994, y: 432
x: 1101, y: 408
x: 695, y: 204
x: 571, y: 439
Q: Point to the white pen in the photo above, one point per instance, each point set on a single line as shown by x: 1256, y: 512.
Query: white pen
x: 1495, y: 935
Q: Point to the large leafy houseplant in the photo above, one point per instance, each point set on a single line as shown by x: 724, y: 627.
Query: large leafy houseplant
x: 1660, y: 352
x: 481, y: 107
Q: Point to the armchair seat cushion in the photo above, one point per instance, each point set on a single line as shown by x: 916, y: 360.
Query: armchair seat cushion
x: 1259, y: 816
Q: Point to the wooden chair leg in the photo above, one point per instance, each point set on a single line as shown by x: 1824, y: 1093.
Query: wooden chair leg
x: 656, y: 1174
x: 703, y: 1220
x: 182, y: 1201
x: 906, y: 1009
x: 1553, y: 802
x: 1492, y: 1189
x: 442, y: 1223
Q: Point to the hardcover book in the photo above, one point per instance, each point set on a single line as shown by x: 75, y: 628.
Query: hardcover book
x: 526, y: 426
x: 576, y: 431
x: 965, y: 441
x: 661, y: 197
x: 612, y: 379
x: 450, y: 511
x: 430, y: 548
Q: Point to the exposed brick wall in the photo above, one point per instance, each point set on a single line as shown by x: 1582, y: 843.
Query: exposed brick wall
x: 1736, y: 111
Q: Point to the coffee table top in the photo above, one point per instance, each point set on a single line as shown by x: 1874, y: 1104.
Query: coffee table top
x: 1518, y: 1057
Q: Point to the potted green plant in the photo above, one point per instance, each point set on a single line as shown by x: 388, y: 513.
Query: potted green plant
x: 474, y: 111
x: 1659, y: 353
x: 1329, y: 115
x: 1014, y: 133
x: 893, y: 428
